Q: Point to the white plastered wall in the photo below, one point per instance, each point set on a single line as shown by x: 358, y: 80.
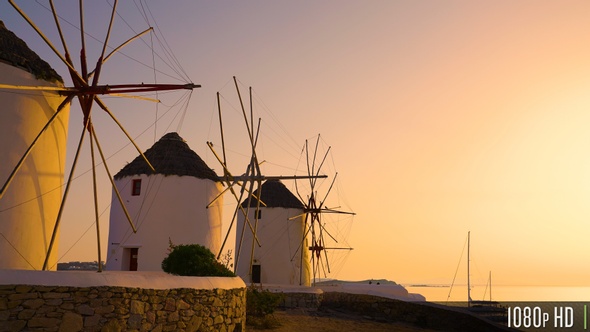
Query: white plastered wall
x: 29, y: 207
x: 169, y: 207
x: 279, y: 256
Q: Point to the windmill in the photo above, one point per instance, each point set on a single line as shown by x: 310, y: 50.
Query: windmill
x: 315, y: 208
x: 88, y: 89
x: 250, y: 201
x: 249, y: 182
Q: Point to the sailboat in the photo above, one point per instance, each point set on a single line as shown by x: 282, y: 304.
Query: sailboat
x: 488, y: 308
x: 476, y: 303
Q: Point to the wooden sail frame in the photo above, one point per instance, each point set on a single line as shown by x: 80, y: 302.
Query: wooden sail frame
x: 313, y: 212
x: 250, y: 182
x: 87, y: 90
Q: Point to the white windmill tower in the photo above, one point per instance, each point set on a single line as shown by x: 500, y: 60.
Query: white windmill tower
x: 169, y: 204
x: 310, y: 248
x: 295, y: 242
x: 29, y: 207
x: 40, y: 138
x: 276, y: 261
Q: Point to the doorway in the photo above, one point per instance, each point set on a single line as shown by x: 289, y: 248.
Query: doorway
x: 133, y: 259
x: 256, y: 272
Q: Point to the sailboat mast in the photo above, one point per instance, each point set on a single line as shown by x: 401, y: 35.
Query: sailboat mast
x: 468, y: 276
x: 490, y: 286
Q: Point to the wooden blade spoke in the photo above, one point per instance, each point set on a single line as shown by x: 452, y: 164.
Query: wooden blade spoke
x: 252, y: 115
x: 297, y: 191
x: 329, y: 189
x: 303, y: 238
x: 59, y: 31
x: 244, y: 112
x: 83, y: 62
x: 315, y: 153
x: 246, y: 220
x: 297, y: 216
x: 106, y: 109
x: 64, y: 198
x: 121, y: 46
x: 256, y: 214
x: 233, y: 219
x: 222, y: 136
x: 326, y: 210
x: 38, y: 88
x: 106, y: 40
x: 106, y: 167
x: 96, y: 214
x: 314, y: 267
x: 322, y: 163
x: 217, y: 197
x: 100, y: 61
x: 257, y: 133
x: 327, y: 265
x: 226, y: 172
x: 309, y: 171
x: 135, y: 97
x: 47, y: 41
x: 255, y: 142
x: 228, y: 176
x: 323, y: 227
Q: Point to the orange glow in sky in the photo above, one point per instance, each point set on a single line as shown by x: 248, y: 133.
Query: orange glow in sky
x: 444, y: 117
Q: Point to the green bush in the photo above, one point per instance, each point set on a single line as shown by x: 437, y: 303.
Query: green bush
x: 193, y: 260
x: 260, y: 302
x: 260, y: 306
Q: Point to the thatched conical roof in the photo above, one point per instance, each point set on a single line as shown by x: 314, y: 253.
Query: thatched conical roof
x: 275, y: 194
x: 15, y: 51
x: 169, y: 156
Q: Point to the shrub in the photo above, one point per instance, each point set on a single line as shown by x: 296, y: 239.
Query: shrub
x: 193, y: 260
x: 260, y: 306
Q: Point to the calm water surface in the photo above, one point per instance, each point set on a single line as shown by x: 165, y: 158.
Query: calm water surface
x: 504, y: 293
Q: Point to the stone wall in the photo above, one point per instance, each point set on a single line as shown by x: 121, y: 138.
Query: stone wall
x: 421, y: 314
x: 108, y: 308
x: 301, y: 300
x: 296, y: 296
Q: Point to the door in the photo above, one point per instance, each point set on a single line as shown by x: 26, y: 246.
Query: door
x: 256, y: 272
x: 133, y: 259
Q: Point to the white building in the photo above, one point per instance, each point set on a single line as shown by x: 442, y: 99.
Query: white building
x: 283, y: 258
x: 169, y: 204
x: 29, y: 206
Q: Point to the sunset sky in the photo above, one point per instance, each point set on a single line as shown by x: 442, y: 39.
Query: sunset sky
x: 443, y: 117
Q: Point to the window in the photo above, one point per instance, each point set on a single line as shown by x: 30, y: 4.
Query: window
x: 136, y: 187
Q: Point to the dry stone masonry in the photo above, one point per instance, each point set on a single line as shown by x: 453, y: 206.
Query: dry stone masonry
x: 107, y: 308
x: 301, y: 300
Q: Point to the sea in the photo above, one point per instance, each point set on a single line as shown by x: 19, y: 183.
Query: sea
x: 458, y: 293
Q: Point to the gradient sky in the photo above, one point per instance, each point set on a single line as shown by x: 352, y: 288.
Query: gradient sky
x: 444, y: 117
